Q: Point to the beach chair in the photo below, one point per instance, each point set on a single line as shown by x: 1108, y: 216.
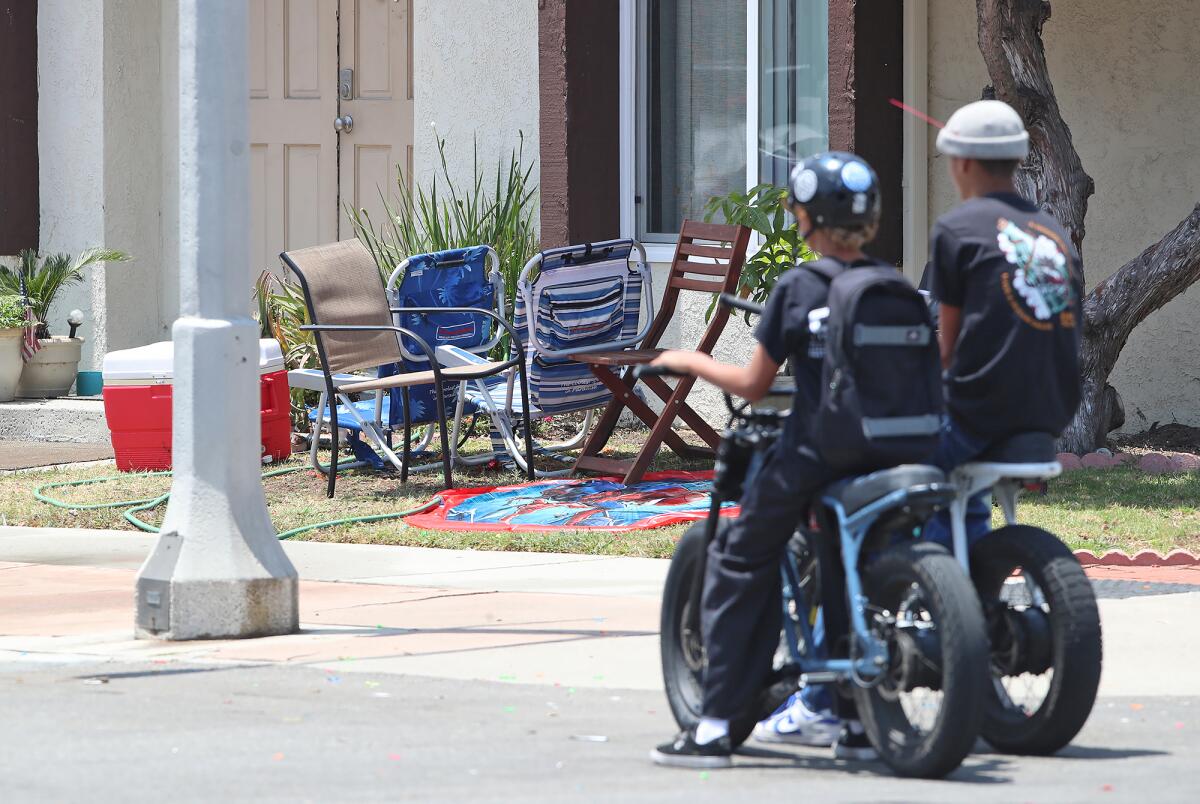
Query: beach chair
x: 569, y: 301
x: 354, y: 330
x: 708, y: 259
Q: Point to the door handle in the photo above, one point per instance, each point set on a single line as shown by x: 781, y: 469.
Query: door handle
x: 343, y: 124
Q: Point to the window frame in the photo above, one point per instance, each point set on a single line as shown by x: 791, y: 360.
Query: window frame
x: 633, y: 140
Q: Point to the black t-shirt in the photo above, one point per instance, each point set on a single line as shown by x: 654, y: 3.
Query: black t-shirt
x: 785, y: 331
x: 1014, y: 273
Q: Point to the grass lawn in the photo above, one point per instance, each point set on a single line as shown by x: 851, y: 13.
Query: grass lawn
x: 1093, y: 509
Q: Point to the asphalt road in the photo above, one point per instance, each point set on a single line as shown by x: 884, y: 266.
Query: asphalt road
x: 124, y: 732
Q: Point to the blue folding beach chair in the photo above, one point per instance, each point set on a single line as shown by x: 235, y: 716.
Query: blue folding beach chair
x: 451, y: 298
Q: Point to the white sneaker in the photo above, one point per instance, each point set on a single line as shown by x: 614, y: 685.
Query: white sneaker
x: 797, y: 724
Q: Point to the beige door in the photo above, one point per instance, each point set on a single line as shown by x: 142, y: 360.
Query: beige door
x: 302, y: 168
x: 293, y: 103
x: 376, y: 45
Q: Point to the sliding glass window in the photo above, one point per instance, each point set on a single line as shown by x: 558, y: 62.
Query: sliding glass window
x: 698, y: 96
x: 793, y: 84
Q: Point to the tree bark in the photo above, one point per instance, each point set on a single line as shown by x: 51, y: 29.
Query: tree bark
x: 1010, y: 39
x: 1111, y: 311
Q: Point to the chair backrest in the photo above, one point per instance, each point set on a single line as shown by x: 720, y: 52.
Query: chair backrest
x: 584, y: 297
x: 342, y: 286
x: 462, y: 277
x: 708, y: 259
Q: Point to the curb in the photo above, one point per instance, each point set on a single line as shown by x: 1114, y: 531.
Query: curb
x: 1144, y: 558
x: 1152, y: 463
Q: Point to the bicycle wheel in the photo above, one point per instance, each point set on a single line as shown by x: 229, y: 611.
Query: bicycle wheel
x: 1046, y: 645
x: 924, y: 713
x: 682, y: 647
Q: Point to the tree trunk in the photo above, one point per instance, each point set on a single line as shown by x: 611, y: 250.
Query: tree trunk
x: 1010, y: 39
x: 1114, y: 308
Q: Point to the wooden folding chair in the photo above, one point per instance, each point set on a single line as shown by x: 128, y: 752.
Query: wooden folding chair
x: 715, y: 253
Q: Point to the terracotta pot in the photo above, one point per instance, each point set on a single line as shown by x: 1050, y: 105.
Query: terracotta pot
x: 10, y: 362
x: 51, y: 372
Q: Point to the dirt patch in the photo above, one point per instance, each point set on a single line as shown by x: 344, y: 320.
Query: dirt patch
x: 1170, y: 437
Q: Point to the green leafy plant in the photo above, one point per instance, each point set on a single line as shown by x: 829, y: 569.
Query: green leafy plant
x: 446, y: 215
x: 45, y: 277
x: 764, y: 209
x: 281, y: 313
x: 12, y: 312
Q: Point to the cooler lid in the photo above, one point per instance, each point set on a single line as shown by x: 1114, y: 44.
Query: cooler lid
x: 155, y: 363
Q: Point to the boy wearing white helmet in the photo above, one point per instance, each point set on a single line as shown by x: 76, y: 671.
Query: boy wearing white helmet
x: 836, y: 200
x: 1008, y: 282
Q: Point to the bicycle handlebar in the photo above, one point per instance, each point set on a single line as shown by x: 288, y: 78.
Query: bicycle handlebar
x: 647, y: 370
x: 738, y: 303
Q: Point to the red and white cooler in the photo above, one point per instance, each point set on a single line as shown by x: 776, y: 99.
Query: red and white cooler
x: 137, y: 404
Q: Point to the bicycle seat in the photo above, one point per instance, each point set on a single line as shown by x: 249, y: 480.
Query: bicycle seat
x: 861, y: 491
x: 1020, y: 448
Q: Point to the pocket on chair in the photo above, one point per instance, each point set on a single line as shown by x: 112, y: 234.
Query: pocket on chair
x: 582, y: 312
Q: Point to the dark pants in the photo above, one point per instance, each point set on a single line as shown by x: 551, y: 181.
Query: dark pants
x: 957, y: 446
x: 742, y: 605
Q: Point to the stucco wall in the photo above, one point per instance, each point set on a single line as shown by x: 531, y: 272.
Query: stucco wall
x: 1125, y: 80
x: 475, y: 74
x: 100, y: 154
x: 133, y: 198
x: 71, y: 150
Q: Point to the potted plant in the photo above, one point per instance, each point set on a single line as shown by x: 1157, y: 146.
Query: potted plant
x: 763, y: 208
x: 12, y: 327
x: 53, y: 367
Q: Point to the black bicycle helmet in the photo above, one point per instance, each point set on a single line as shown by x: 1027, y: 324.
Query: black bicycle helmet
x: 837, y: 189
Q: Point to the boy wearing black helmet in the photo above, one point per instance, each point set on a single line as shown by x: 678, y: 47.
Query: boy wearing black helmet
x: 835, y: 198
x: 1008, y: 283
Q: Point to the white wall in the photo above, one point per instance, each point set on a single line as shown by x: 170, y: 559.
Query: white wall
x: 475, y: 75
x: 100, y: 142
x: 71, y: 151
x: 1125, y: 81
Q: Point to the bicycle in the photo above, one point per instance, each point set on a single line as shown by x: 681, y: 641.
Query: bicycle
x: 917, y: 652
x: 1041, y: 613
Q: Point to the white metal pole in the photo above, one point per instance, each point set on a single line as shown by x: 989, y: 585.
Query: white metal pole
x: 218, y: 569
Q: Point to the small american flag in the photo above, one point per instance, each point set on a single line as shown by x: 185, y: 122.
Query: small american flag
x: 29, y: 343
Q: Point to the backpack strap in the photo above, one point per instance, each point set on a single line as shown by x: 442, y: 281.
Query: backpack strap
x: 827, y: 268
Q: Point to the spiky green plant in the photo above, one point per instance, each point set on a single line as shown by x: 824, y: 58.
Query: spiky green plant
x: 45, y: 277
x: 281, y: 313
x: 448, y: 215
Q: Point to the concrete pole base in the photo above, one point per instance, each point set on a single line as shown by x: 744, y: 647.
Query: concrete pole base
x: 211, y: 608
x: 218, y: 570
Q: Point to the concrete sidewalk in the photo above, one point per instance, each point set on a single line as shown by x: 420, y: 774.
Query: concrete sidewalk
x: 540, y: 618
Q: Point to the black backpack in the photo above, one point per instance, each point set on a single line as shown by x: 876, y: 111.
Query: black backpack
x: 881, y: 382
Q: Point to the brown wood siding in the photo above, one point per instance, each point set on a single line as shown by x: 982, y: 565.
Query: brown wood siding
x: 18, y: 126
x: 866, y: 40
x: 579, y: 61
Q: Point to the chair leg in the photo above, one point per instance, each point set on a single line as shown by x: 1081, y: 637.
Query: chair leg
x: 441, y: 412
x: 333, y: 443
x: 530, y: 472
x: 407, y: 438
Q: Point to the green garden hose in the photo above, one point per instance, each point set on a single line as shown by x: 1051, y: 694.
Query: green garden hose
x: 134, y: 507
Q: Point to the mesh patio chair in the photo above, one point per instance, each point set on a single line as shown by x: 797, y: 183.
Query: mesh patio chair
x: 354, y: 330
x: 713, y: 255
x: 569, y: 301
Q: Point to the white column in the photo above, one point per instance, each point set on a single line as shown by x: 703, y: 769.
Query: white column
x: 218, y: 569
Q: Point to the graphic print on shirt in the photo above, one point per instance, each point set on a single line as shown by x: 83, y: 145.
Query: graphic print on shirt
x: 1041, y: 275
x: 818, y: 328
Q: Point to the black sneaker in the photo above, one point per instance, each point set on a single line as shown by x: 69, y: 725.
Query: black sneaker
x: 684, y: 752
x: 852, y: 744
